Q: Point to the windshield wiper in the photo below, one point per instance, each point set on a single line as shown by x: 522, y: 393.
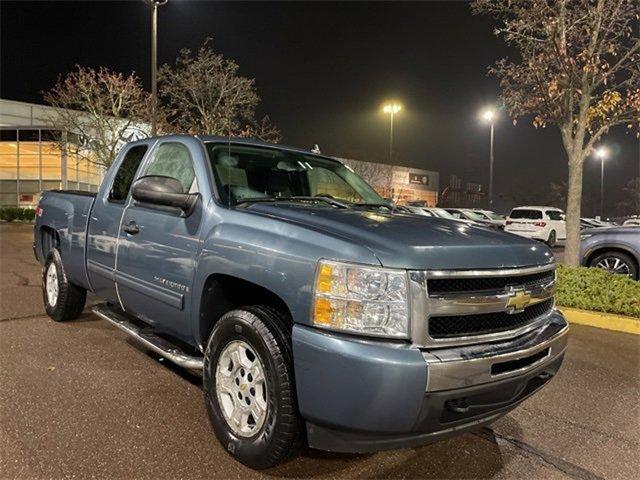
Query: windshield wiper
x: 374, y: 205
x: 298, y: 198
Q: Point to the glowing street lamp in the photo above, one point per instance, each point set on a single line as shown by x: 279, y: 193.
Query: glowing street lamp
x: 489, y: 116
x: 391, y: 109
x: 602, y: 153
x: 154, y: 4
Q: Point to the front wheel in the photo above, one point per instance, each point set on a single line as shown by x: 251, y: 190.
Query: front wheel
x: 249, y: 386
x: 62, y: 300
x: 615, y: 262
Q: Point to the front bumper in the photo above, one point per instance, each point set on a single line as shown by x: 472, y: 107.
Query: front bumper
x: 532, y: 234
x: 360, y: 395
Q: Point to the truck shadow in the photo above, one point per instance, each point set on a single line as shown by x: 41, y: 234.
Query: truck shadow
x: 471, y: 455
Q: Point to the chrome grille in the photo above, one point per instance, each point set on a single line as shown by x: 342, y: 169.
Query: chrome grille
x: 448, y: 285
x: 485, y: 323
x: 474, y: 306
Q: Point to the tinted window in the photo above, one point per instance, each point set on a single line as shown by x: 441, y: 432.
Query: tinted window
x: 554, y: 215
x: 173, y: 160
x: 526, y: 214
x: 126, y: 172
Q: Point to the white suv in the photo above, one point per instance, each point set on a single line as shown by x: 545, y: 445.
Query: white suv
x: 540, y: 223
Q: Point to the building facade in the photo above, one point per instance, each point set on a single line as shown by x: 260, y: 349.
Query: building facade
x: 31, y: 160
x: 401, y: 184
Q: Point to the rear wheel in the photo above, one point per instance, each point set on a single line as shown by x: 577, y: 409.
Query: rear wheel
x: 615, y: 262
x: 551, y: 241
x: 249, y: 386
x: 62, y: 300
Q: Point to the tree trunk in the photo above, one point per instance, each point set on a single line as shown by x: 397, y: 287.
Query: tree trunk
x: 574, y: 199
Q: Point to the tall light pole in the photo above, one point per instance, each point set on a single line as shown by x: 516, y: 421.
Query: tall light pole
x: 489, y: 116
x: 391, y: 109
x: 154, y: 62
x: 602, y: 153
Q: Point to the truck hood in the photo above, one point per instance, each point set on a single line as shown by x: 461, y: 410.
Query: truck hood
x: 415, y: 242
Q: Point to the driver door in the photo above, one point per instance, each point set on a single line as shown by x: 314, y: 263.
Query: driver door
x: 158, y: 245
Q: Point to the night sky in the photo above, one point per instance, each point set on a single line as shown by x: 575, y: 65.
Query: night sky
x: 323, y: 71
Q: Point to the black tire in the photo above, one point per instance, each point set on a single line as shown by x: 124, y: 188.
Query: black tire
x: 551, y: 241
x: 268, y: 333
x: 71, y: 298
x: 612, y: 256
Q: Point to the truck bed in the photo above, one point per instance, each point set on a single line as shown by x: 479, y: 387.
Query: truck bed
x: 62, y: 219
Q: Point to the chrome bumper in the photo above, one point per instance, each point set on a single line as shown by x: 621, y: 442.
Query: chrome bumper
x: 480, y: 364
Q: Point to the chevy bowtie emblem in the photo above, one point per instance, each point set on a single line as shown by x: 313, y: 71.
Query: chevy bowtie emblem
x: 518, y: 299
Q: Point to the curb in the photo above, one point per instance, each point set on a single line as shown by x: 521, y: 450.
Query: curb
x: 607, y: 321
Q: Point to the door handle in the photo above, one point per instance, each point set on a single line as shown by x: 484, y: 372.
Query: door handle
x: 131, y: 228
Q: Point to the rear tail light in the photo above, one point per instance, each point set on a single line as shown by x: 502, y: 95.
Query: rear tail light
x: 38, y: 212
x: 540, y: 224
x: 508, y: 222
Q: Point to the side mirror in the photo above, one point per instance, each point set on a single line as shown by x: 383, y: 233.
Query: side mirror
x: 165, y: 191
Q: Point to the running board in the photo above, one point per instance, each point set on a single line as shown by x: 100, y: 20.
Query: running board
x: 149, y: 339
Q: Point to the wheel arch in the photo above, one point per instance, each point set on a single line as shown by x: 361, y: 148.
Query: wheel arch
x: 222, y: 293
x: 612, y: 248
x: 49, y: 239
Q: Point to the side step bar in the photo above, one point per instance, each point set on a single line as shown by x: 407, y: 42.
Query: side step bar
x: 149, y: 339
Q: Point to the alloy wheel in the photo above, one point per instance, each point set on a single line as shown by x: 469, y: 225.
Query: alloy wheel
x: 241, y: 388
x: 614, y: 265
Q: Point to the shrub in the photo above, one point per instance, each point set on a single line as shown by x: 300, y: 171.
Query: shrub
x: 28, y: 214
x: 596, y: 289
x: 9, y: 214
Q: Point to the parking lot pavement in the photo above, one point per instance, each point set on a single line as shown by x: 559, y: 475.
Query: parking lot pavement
x: 81, y: 399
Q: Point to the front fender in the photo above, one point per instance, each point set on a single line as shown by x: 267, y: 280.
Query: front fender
x: 275, y: 254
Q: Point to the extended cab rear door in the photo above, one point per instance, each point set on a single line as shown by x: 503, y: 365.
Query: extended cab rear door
x: 158, y: 245
x: 104, y: 223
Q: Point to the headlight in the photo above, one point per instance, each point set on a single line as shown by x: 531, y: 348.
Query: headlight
x: 584, y: 236
x: 365, y: 300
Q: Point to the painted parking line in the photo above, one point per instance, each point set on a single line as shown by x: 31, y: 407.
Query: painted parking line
x: 618, y: 323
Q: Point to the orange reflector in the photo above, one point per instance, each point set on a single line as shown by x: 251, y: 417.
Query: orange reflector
x: 325, y: 280
x: 322, y: 312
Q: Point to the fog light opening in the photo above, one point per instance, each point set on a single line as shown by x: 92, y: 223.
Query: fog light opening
x: 457, y: 405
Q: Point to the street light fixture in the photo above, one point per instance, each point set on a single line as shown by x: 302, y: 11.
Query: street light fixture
x: 391, y: 109
x: 154, y: 62
x: 602, y: 153
x: 489, y: 116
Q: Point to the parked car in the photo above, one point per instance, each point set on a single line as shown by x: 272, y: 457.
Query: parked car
x: 595, y: 223
x: 440, y: 213
x: 310, y: 306
x: 493, y: 217
x: 539, y: 223
x: 468, y: 214
x: 588, y: 223
x: 615, y: 249
x: 632, y: 221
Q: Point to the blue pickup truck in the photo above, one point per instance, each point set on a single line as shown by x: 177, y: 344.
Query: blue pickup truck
x: 314, y: 310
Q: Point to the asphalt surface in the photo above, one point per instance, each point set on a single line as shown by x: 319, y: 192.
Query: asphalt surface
x: 82, y: 400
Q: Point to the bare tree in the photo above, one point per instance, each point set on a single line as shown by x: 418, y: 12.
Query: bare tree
x: 579, y: 68
x: 378, y: 175
x: 99, y: 110
x: 263, y: 129
x: 205, y: 94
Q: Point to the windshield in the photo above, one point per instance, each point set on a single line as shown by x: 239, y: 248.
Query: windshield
x: 493, y: 216
x: 442, y: 213
x: 473, y: 215
x: 254, y: 173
